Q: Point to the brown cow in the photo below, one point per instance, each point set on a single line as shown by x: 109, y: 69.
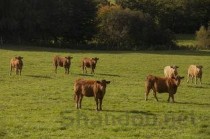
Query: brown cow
x: 62, y: 62
x: 195, y: 71
x: 89, y: 63
x: 90, y: 88
x: 171, y: 71
x: 17, y: 64
x: 162, y: 85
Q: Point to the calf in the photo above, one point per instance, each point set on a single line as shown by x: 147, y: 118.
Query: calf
x: 170, y: 71
x: 195, y: 71
x: 17, y: 64
x: 89, y: 63
x: 162, y: 85
x: 90, y: 88
x: 62, y: 62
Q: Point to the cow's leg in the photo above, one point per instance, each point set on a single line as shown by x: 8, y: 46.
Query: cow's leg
x: 188, y: 77
x: 169, y: 97
x: 172, y: 96
x: 56, y: 68
x: 16, y: 70
x: 195, y: 79
x: 20, y: 71
x: 80, y: 101
x: 10, y: 70
x: 147, y: 93
x: 155, y: 95
x: 100, y: 103
x: 92, y: 70
x: 68, y: 70
x: 96, y: 99
x: 77, y: 101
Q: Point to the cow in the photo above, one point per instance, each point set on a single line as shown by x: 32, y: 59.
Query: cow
x: 62, y: 62
x: 171, y: 71
x: 90, y: 88
x: 162, y: 85
x: 195, y: 71
x: 89, y: 63
x: 17, y: 64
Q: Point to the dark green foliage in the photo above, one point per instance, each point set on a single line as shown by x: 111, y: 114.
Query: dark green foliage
x: 181, y: 16
x: 47, y: 20
x: 126, y: 29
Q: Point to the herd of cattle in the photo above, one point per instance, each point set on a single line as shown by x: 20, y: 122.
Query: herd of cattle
x: 97, y: 89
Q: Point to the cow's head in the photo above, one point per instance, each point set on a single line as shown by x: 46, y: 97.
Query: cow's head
x: 103, y: 84
x: 178, y: 79
x: 95, y: 59
x: 68, y: 58
x: 174, y: 67
x: 19, y: 57
x: 199, y: 66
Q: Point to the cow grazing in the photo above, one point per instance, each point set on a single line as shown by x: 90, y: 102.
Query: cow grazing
x: 171, y: 71
x: 89, y: 63
x: 90, y: 88
x: 17, y: 64
x: 62, y: 62
x: 162, y: 85
x: 195, y: 71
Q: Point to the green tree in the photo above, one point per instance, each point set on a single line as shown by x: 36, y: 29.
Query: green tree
x: 203, y: 37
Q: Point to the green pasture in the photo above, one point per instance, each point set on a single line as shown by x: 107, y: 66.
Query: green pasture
x: 186, y: 40
x: 39, y: 104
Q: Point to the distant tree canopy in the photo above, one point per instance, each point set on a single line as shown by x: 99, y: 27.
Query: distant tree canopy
x: 180, y: 16
x: 126, y: 29
x: 128, y: 24
x: 29, y: 20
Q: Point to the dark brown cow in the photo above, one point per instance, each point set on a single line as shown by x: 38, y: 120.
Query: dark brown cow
x: 17, y: 64
x: 162, y: 85
x: 89, y: 63
x: 62, y: 62
x: 90, y: 88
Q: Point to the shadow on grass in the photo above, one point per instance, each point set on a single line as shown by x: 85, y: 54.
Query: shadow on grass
x: 39, y: 76
x: 85, y: 75
x: 113, y: 75
x: 197, y: 86
x: 193, y: 103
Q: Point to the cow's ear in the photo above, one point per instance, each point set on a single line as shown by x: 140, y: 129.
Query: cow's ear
x: 171, y: 66
x: 177, y: 66
x: 16, y: 57
x: 182, y: 77
x: 21, y: 57
x: 71, y: 57
x: 108, y: 82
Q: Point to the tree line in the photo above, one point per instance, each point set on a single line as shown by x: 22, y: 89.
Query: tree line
x: 98, y: 24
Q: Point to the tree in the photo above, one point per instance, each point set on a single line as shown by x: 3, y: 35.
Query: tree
x: 129, y: 29
x: 203, y: 37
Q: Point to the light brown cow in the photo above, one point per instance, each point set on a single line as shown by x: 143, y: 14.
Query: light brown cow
x: 171, y: 71
x: 195, y: 71
x: 62, y: 62
x: 162, y: 85
x: 89, y: 63
x: 90, y: 88
x: 17, y: 64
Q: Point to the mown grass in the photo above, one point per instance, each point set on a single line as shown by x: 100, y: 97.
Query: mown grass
x: 186, y: 40
x: 39, y: 104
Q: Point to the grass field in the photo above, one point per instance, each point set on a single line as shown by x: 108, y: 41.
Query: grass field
x: 186, y: 40
x: 39, y: 104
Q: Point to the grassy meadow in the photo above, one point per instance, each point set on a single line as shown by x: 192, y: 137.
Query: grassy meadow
x: 39, y: 104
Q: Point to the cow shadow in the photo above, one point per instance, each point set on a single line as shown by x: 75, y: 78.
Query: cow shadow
x: 197, y: 86
x: 194, y: 103
x: 39, y: 76
x: 104, y: 74
x: 123, y: 111
x: 85, y: 75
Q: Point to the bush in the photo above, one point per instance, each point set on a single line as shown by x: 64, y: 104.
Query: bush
x: 203, y: 37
